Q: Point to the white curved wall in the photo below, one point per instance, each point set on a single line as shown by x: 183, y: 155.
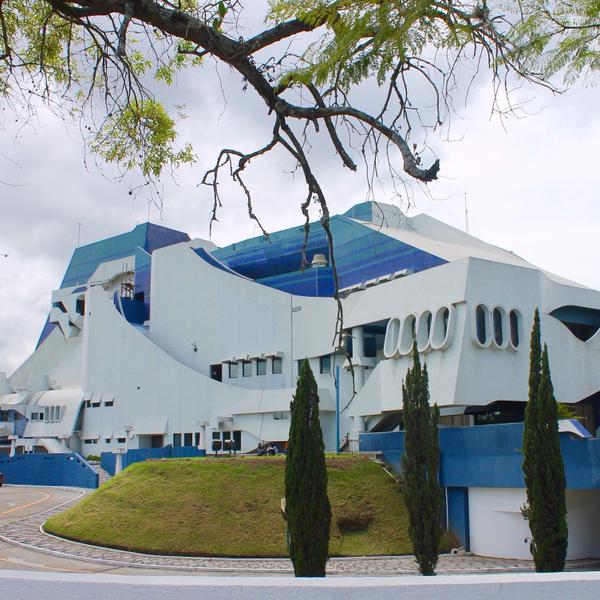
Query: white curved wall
x: 498, y: 529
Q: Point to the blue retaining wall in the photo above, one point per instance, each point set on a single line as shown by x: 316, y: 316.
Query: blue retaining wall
x: 491, y: 456
x: 487, y: 456
x: 48, y: 469
x: 108, y: 459
x: 107, y: 462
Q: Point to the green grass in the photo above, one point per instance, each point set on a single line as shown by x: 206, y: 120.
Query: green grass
x: 231, y: 507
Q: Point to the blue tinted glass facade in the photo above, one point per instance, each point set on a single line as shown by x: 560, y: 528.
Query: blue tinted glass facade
x: 361, y: 252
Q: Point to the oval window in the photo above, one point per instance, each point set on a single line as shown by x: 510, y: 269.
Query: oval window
x: 441, y: 324
x: 392, y: 336
x: 423, y: 331
x: 480, y: 324
x: 407, y: 334
x: 514, y: 328
x: 498, y: 334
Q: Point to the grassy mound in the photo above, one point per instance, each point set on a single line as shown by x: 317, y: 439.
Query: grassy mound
x: 231, y: 507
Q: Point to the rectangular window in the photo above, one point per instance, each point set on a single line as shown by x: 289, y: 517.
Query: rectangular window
x: 246, y: 369
x: 370, y: 345
x: 176, y: 440
x: 121, y: 440
x: 277, y: 365
x: 107, y: 440
x: 88, y: 441
x: 261, y: 366
x: 233, y: 370
x: 281, y: 415
x: 325, y: 364
x: 109, y: 403
x: 226, y: 435
x: 299, y: 364
x: 216, y: 435
x: 197, y: 438
x: 187, y: 439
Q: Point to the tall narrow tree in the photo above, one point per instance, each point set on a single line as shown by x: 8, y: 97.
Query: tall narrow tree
x: 420, y: 467
x: 542, y: 463
x: 308, y: 511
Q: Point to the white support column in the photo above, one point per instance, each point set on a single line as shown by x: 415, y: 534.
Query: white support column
x: 358, y: 344
x: 118, y: 462
x: 358, y: 354
x: 358, y: 425
x: 208, y: 439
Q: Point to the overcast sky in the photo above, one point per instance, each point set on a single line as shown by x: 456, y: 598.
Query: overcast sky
x: 532, y: 186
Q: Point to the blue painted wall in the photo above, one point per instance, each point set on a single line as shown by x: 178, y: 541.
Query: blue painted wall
x: 108, y: 459
x: 491, y: 456
x: 48, y: 469
x: 134, y: 311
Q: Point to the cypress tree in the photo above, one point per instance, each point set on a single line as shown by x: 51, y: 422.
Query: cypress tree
x: 307, y: 508
x: 543, y: 465
x: 420, y: 467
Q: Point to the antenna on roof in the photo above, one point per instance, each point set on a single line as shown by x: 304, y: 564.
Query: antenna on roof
x: 466, y: 215
x: 79, y: 225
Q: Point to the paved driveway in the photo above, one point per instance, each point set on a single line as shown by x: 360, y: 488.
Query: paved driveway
x: 23, y: 545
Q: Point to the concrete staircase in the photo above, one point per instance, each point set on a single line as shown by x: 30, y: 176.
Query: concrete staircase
x: 103, y: 476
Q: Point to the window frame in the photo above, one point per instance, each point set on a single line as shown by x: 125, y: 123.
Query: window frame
x: 261, y: 362
x: 325, y: 369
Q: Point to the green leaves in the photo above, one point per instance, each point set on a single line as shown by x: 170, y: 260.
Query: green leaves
x: 141, y: 137
x: 560, y: 37
x: 218, y: 21
x: 367, y: 38
x: 34, y: 37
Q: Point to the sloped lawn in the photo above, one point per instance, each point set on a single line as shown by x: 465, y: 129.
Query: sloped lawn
x: 231, y: 507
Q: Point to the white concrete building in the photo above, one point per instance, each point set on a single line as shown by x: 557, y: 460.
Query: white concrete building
x: 154, y: 339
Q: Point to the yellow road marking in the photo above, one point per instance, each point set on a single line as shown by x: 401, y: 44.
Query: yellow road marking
x: 46, y: 496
